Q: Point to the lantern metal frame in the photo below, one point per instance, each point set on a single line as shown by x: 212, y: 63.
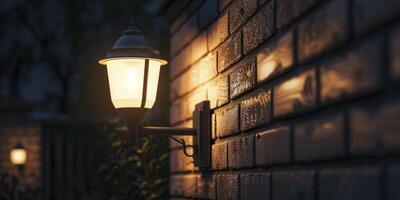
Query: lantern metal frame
x: 133, y: 44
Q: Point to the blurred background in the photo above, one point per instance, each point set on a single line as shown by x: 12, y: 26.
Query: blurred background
x: 54, y: 96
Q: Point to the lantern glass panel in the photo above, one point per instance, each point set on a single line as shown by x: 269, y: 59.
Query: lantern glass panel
x: 18, y: 156
x: 126, y: 78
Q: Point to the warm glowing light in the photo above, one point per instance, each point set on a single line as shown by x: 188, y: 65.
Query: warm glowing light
x: 126, y: 79
x: 18, y: 156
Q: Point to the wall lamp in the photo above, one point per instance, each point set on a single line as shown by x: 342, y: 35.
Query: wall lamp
x: 18, y: 156
x: 133, y: 69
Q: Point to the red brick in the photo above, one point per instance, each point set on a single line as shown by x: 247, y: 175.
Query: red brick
x: 255, y: 186
x: 188, y: 139
x: 227, y: 121
x: 293, y: 185
x: 229, y: 52
x: 296, y: 95
x: 183, y: 185
x: 275, y: 58
x: 256, y: 110
x: 369, y: 14
x: 239, y: 12
x: 206, y: 186
x: 350, y: 183
x: 202, y: 71
x: 241, y: 152
x: 177, y: 23
x: 223, y: 3
x: 207, y: 13
x: 243, y: 79
x: 219, y: 156
x: 194, y: 5
x: 179, y: 162
x: 218, y: 32
x: 189, y: 55
x: 182, y: 109
x: 218, y: 91
x: 289, y: 10
x: 259, y: 28
x: 184, y: 35
x: 356, y: 73
x: 319, y: 139
x: 228, y: 186
x: 273, y: 146
x: 325, y: 29
x: 374, y: 128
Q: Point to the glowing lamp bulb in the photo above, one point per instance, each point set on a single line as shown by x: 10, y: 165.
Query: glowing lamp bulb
x: 18, y: 155
x: 126, y: 77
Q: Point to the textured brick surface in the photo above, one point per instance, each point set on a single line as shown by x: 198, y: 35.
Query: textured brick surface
x: 348, y: 184
x: 189, y: 55
x: 206, y: 186
x: 241, y: 152
x: 293, y: 185
x: 325, y: 29
x: 188, y: 139
x: 258, y: 28
x: 207, y: 13
x: 275, y: 57
x: 183, y: 185
x: 223, y: 3
x: 394, y: 52
x: 184, y: 35
x: 183, y: 109
x: 179, y: 162
x: 202, y: 71
x: 303, y: 94
x: 229, y: 52
x: 255, y: 186
x: 243, y: 79
x: 357, y: 72
x: 218, y: 91
x: 369, y: 13
x: 239, y: 11
x: 256, y: 110
x: 218, y: 32
x: 296, y: 95
x: 227, y: 121
x: 375, y: 128
x: 228, y: 186
x: 30, y: 137
x: 321, y: 138
x: 273, y: 146
x: 219, y: 158
x: 394, y: 182
x: 177, y: 23
x: 288, y: 10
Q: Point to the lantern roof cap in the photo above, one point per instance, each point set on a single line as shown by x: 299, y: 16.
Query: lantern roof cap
x: 132, y: 44
x: 19, y: 146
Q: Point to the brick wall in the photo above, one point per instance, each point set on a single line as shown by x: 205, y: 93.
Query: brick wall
x: 30, y: 137
x: 304, y: 94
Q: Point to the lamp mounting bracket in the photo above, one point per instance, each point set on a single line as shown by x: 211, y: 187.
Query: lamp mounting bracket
x: 201, y: 133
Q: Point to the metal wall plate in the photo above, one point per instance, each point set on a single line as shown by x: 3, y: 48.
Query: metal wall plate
x: 202, y: 139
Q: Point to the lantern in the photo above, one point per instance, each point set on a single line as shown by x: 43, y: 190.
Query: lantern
x: 133, y: 69
x: 18, y: 155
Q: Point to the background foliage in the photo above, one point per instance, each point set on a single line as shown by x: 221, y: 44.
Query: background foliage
x: 135, y: 171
